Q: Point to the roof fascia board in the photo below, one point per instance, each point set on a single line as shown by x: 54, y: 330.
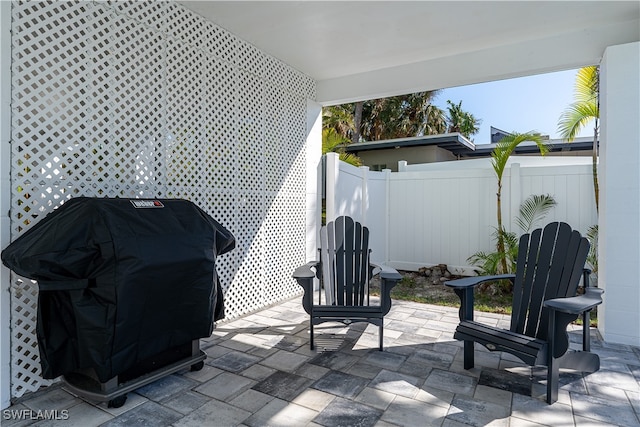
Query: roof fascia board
x: 418, y: 141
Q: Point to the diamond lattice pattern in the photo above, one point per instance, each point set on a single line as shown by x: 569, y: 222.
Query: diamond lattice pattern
x: 147, y: 99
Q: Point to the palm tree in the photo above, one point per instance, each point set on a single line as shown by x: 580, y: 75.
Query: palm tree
x: 420, y: 116
x: 334, y: 142
x: 461, y: 121
x: 387, y: 118
x: 499, y: 157
x: 436, y: 121
x: 583, y: 111
x: 531, y: 212
x: 357, y: 121
x: 402, y: 116
x: 340, y: 119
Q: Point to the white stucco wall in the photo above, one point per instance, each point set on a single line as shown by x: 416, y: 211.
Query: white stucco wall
x: 314, y: 177
x: 619, y: 222
x: 390, y: 157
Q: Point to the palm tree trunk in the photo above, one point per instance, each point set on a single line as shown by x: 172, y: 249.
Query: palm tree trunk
x: 596, y: 188
x: 357, y: 120
x: 500, y: 245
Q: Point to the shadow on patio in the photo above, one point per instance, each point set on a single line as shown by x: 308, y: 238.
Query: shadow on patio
x: 260, y: 371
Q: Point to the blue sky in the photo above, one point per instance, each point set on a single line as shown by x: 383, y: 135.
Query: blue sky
x: 524, y: 104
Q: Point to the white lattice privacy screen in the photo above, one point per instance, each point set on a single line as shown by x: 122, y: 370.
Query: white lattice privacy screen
x: 147, y: 99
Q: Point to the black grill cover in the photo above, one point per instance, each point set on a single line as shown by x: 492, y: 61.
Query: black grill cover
x: 120, y: 280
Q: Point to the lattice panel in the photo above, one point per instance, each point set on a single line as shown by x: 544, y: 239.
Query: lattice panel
x: 221, y: 92
x: 246, y: 289
x: 221, y: 44
x: 147, y: 99
x: 278, y: 236
x: 250, y: 133
x: 149, y: 13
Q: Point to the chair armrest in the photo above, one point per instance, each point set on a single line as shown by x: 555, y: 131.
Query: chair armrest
x: 593, y: 291
x: 389, y: 277
x: 385, y: 272
x: 304, y: 276
x: 464, y: 289
x: 578, y: 304
x: 388, y: 273
x: 305, y: 271
x: 473, y: 281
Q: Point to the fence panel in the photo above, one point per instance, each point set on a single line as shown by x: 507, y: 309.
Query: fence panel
x: 440, y: 217
x: 571, y: 186
x: 445, y: 212
x: 377, y: 215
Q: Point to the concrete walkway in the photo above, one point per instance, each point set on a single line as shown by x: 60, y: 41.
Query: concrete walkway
x: 260, y: 372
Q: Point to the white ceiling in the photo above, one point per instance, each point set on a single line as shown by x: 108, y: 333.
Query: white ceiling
x: 355, y: 49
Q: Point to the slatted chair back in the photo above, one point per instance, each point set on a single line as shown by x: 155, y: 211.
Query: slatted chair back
x: 550, y: 265
x: 344, y: 271
x: 344, y: 255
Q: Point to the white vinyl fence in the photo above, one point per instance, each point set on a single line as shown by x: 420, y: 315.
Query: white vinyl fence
x: 442, y: 213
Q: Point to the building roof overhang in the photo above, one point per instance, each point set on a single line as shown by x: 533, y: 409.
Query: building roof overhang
x: 360, y: 50
x: 454, y: 142
x: 458, y: 145
x: 530, y: 147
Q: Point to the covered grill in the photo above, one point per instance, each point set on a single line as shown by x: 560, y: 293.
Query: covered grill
x: 127, y: 288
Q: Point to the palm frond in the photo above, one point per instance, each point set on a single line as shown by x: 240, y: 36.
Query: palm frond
x: 339, y: 118
x: 533, y: 209
x: 487, y: 263
x: 510, y: 254
x: 585, y: 108
x: 586, y: 85
x: 506, y: 146
x: 350, y: 158
x: 333, y: 142
x: 575, y: 118
x: 511, y: 251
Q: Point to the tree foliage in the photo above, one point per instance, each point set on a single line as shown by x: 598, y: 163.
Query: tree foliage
x: 333, y: 142
x: 402, y: 116
x: 398, y: 117
x: 531, y: 212
x: 339, y: 118
x: 584, y: 110
x: 461, y: 121
x: 387, y: 118
x: 499, y: 157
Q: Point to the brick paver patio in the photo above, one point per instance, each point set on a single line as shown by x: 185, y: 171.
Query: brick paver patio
x: 260, y: 372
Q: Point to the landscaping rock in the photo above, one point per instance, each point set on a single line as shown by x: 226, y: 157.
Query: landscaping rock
x: 435, y: 275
